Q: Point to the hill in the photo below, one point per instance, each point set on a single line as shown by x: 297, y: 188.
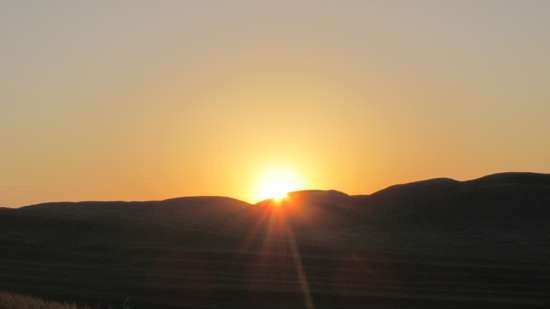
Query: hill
x: 429, y: 244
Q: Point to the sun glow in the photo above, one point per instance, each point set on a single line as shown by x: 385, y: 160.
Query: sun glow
x: 277, y: 183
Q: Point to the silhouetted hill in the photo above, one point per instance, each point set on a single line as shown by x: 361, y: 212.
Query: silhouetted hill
x: 314, y: 209
x: 437, y: 243
x: 5, y: 209
x: 507, y: 202
x: 516, y: 178
x: 184, y: 219
x: 500, y: 199
x: 310, y: 197
x: 197, y: 205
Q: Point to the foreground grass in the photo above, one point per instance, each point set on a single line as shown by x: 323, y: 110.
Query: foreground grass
x: 16, y: 301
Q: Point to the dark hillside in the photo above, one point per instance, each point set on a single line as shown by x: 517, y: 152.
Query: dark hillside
x: 438, y: 243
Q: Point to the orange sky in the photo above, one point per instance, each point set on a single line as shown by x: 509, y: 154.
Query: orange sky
x: 133, y: 102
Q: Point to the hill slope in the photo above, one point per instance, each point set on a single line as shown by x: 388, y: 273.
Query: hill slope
x: 429, y: 244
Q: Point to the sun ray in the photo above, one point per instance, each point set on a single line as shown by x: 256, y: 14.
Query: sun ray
x: 276, y: 183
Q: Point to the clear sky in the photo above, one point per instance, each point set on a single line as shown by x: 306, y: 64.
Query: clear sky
x: 138, y: 100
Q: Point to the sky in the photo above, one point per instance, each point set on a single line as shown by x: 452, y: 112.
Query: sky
x: 142, y: 100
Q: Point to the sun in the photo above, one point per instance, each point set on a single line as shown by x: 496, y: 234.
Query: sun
x: 276, y: 183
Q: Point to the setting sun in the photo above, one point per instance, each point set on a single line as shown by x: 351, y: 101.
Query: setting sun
x: 276, y: 183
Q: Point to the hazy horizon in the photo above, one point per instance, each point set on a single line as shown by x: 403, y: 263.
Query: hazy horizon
x: 142, y: 101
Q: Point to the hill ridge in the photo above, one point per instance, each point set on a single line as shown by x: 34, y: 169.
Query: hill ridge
x: 495, y: 178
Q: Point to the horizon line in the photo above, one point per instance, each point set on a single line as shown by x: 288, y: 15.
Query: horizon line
x: 264, y: 200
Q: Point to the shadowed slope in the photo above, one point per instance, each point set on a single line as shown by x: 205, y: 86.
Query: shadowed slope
x: 190, y: 219
x: 313, y: 207
x: 499, y: 198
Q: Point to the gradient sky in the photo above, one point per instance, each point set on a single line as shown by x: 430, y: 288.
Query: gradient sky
x: 134, y: 100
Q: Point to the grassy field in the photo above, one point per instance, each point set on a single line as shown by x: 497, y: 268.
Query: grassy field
x: 17, y: 301
x: 179, y: 278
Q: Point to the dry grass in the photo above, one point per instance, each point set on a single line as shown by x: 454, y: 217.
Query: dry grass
x: 16, y: 301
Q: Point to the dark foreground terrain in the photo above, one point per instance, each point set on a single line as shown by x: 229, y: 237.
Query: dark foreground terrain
x: 439, y: 243
x: 16, y: 301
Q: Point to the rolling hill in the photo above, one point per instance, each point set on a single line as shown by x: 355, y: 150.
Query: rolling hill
x: 433, y: 243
